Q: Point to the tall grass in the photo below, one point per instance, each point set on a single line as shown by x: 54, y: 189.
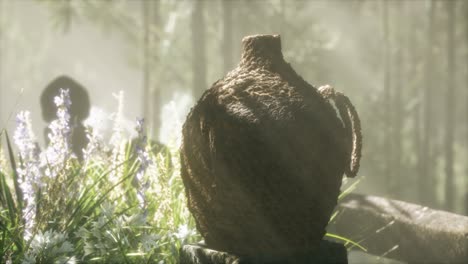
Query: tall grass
x: 123, y: 203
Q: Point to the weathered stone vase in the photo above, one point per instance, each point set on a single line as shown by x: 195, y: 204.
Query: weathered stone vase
x: 263, y: 156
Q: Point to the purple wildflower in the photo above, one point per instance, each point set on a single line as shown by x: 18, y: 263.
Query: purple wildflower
x: 59, y: 149
x: 144, y: 160
x: 24, y: 137
x: 29, y: 172
x: 94, y: 148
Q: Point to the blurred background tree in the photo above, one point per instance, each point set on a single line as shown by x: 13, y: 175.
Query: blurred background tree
x: 403, y: 63
x: 1, y: 55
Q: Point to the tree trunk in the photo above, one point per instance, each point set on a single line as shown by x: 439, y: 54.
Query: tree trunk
x: 414, y: 87
x: 425, y: 180
x: 282, y: 25
x: 146, y: 59
x: 2, y: 32
x: 68, y: 16
x: 198, y: 49
x: 387, y: 98
x: 227, y: 48
x: 450, y: 108
x: 398, y: 104
x: 466, y: 72
x: 154, y: 84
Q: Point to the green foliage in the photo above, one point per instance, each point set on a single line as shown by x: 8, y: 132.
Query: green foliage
x: 83, y: 214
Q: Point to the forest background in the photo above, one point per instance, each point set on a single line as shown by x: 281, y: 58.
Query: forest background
x: 404, y: 64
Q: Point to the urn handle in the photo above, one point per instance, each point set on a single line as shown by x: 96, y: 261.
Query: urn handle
x: 352, y: 126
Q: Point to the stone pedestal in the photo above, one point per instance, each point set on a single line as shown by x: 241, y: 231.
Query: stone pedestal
x: 328, y: 252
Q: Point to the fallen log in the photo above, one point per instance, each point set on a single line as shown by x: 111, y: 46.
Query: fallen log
x: 403, y: 231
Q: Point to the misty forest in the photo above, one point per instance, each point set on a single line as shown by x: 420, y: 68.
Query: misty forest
x: 173, y: 131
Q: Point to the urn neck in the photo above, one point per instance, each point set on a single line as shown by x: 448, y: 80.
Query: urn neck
x: 261, y: 50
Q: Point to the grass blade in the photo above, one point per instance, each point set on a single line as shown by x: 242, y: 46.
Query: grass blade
x: 348, y: 241
x: 19, y: 193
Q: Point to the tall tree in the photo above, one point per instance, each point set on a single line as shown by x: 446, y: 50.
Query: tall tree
x: 397, y: 102
x: 151, y: 99
x: 387, y: 96
x: 227, y: 49
x: 198, y: 48
x: 466, y: 85
x: 426, y: 180
x: 2, y: 32
x: 411, y: 74
x: 242, y: 26
x: 145, y: 5
x: 282, y: 18
x: 450, y: 107
x: 156, y: 97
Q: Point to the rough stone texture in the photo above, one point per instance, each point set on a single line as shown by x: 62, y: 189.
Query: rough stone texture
x: 327, y: 252
x: 403, y: 231
x: 263, y: 156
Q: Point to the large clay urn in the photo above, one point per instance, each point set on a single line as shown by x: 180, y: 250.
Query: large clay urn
x: 263, y: 156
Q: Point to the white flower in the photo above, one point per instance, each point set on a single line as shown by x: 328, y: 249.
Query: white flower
x: 117, y: 141
x: 184, y: 232
x: 95, y: 149
x: 144, y: 160
x: 117, y: 129
x: 29, y: 170
x: 59, y: 149
x: 24, y: 137
x: 63, y: 100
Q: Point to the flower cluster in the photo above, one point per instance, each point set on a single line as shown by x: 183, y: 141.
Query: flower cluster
x: 29, y: 173
x: 144, y: 160
x: 59, y: 148
x: 123, y: 202
x: 24, y: 137
x: 95, y: 149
